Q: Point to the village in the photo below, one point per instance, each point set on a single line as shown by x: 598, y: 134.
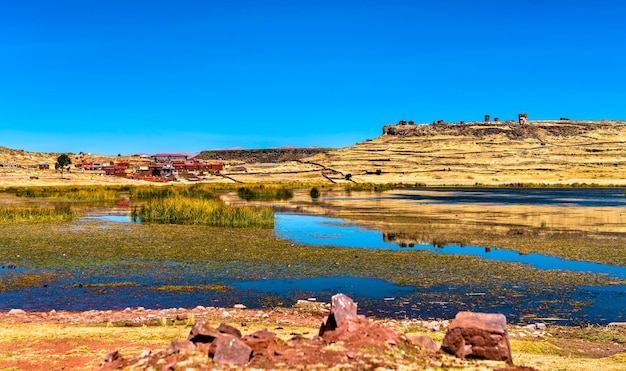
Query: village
x: 160, y: 167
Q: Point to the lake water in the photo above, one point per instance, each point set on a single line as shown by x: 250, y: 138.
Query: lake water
x: 319, y: 230
x: 591, y: 209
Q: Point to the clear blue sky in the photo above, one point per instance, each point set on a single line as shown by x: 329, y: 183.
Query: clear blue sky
x: 124, y: 76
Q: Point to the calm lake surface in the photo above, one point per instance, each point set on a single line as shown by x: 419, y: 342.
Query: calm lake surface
x: 593, y: 210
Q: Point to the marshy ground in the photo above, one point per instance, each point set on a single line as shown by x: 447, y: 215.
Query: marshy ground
x: 98, y: 264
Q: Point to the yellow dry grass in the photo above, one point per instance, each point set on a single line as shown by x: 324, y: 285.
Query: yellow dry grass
x: 496, y: 153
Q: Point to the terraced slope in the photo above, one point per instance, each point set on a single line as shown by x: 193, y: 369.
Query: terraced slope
x: 556, y: 152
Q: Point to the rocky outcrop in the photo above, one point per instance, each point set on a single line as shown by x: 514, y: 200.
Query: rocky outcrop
x: 478, y: 335
x: 511, y: 129
x: 346, y: 339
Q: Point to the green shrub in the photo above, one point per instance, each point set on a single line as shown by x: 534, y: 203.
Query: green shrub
x: 315, y: 192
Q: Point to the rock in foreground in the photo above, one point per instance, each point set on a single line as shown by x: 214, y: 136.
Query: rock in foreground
x: 478, y: 335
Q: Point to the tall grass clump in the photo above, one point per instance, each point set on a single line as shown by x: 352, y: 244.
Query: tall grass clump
x: 265, y: 193
x: 379, y: 187
x: 201, y: 191
x: 75, y: 193
x: 36, y: 214
x: 185, y: 210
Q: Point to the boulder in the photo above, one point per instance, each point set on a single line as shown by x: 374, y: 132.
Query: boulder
x: 361, y: 332
x: 478, y: 335
x: 424, y: 342
x: 228, y: 349
x: 228, y: 329
x: 264, y: 343
x: 201, y: 332
x: 181, y: 346
x: 341, y: 309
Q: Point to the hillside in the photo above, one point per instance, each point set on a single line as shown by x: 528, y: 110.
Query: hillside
x: 487, y: 153
x: 267, y: 155
x: 475, y: 153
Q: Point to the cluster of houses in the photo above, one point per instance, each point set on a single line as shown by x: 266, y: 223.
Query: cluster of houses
x: 160, y: 167
x: 40, y: 166
x: 163, y: 167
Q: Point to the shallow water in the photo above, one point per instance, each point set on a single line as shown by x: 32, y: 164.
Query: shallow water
x: 590, y: 209
x: 572, y: 197
x: 319, y: 230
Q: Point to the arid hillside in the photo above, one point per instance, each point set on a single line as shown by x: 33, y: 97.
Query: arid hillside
x: 475, y: 153
x: 556, y: 152
x: 266, y: 155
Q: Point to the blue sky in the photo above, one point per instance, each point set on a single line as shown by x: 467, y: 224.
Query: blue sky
x: 123, y: 76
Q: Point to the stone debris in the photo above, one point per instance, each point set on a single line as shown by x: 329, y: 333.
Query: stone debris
x: 345, y: 339
x: 478, y: 335
x: 345, y: 335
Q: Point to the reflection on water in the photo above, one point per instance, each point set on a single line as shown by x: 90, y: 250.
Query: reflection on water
x: 125, y: 218
x: 324, y: 287
x: 573, y: 197
x: 580, y: 210
x: 318, y: 230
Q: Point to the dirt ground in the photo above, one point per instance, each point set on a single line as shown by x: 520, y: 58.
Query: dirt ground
x: 60, y: 340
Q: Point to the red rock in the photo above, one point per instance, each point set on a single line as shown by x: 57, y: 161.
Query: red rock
x: 182, y: 346
x: 228, y: 329
x: 228, y: 349
x: 478, y: 335
x: 423, y: 341
x: 362, y: 331
x: 341, y: 309
x: 263, y: 334
x: 201, y: 332
x: 264, y: 344
x: 114, y: 356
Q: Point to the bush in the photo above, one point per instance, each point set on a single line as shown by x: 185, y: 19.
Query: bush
x: 315, y: 192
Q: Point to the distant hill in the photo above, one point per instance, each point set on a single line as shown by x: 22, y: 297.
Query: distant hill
x: 267, y: 155
x: 556, y: 152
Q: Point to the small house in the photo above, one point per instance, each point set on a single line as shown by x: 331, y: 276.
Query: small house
x: 169, y: 157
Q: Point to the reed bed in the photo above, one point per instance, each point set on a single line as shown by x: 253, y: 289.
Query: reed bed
x: 75, y: 193
x: 185, y: 210
x: 201, y: 191
x: 379, y: 187
x: 36, y: 214
x: 265, y: 192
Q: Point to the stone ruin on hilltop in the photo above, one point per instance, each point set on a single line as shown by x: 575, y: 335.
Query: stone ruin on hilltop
x: 520, y: 129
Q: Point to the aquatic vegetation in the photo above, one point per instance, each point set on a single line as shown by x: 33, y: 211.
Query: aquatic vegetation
x: 379, y: 187
x: 265, y: 193
x: 107, y: 284
x: 18, y: 281
x: 77, y: 193
x: 184, y: 210
x: 200, y: 190
x: 218, y: 288
x: 36, y: 214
